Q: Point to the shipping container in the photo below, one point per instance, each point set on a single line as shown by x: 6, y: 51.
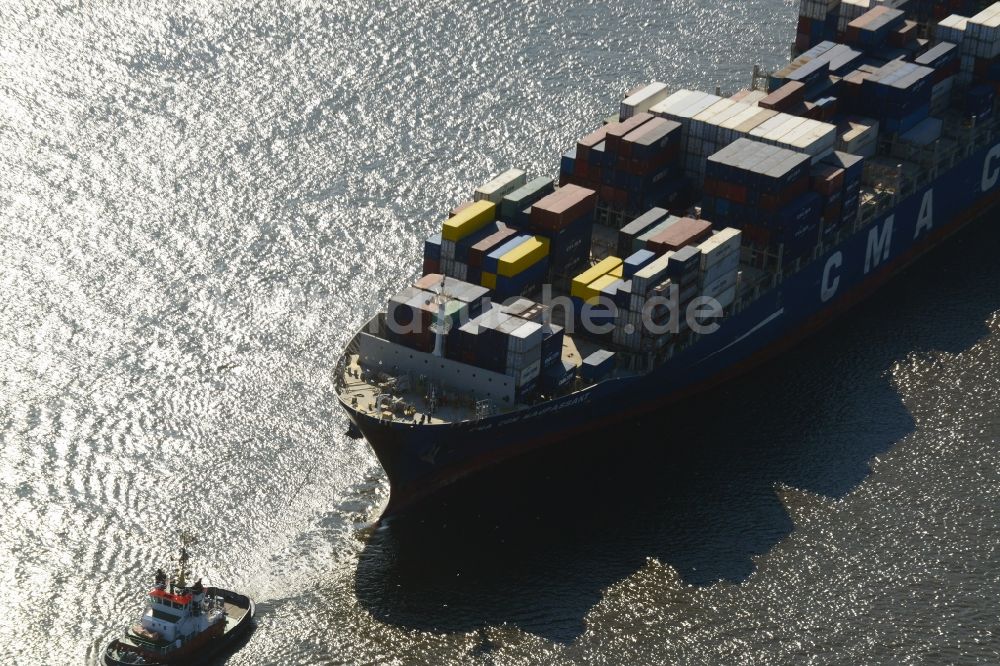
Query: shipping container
x: 523, y: 256
x: 643, y: 99
x: 686, y: 231
x: 584, y: 279
x: 598, y: 366
x: 503, y: 184
x: 469, y: 221
x: 523, y: 197
x: 563, y: 207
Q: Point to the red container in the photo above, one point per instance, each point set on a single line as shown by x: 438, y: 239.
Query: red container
x: 479, y: 251
x: 563, y: 207
x: 785, y: 97
x: 584, y: 145
x: 431, y: 266
x: 616, y: 131
x: 828, y: 180
x: 686, y: 231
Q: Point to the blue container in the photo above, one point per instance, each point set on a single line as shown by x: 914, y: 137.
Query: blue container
x: 552, y: 344
x: 598, y: 365
x: 527, y: 282
x: 432, y: 248
x: 979, y: 101
x: 567, y: 165
x: 635, y: 263
x: 684, y: 263
x: 492, y: 261
x: 569, y: 248
x: 557, y: 376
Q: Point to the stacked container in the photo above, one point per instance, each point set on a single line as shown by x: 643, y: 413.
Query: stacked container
x: 720, y: 264
x: 503, y: 184
x: 637, y: 227
x: 432, y: 255
x: 523, y: 269
x: 858, y: 136
x: 566, y: 218
x: 898, y: 94
x: 764, y: 191
x: 643, y: 99
x: 514, y: 207
x: 872, y: 29
x: 632, y: 164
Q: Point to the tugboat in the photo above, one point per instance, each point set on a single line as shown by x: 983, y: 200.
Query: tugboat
x: 182, y: 624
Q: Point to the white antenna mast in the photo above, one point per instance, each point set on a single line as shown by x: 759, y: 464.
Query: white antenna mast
x: 439, y: 332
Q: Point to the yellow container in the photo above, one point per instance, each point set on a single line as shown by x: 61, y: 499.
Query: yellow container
x: 488, y: 280
x: 524, y: 256
x: 618, y: 272
x: 593, y: 290
x: 469, y: 221
x: 583, y: 280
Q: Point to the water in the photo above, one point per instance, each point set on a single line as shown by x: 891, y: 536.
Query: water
x: 200, y: 202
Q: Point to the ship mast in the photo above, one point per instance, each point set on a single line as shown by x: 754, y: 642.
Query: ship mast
x: 439, y: 332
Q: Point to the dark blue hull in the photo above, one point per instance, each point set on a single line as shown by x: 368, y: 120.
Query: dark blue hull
x: 422, y: 459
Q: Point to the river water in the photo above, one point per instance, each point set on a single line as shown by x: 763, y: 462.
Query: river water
x: 201, y: 201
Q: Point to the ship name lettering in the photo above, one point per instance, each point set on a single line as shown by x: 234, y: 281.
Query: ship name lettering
x: 925, y: 222
x: 991, y: 174
x: 879, y: 244
x: 829, y: 289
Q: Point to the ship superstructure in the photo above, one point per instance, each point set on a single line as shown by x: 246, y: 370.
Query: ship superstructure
x: 688, y: 238
x: 182, y: 623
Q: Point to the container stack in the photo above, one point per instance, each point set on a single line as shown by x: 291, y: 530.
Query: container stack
x: 502, y: 343
x: 817, y: 22
x: 490, y: 266
x: 628, y: 234
x: 812, y: 137
x: 586, y: 287
x: 853, y: 167
x: 412, y: 316
x: 643, y: 99
x: 814, y: 67
x: 720, y: 265
x: 514, y: 207
x: 686, y: 231
x: 872, y: 29
x: 945, y: 60
x: 682, y: 107
x: 432, y: 255
x: 978, y: 39
x: 503, y: 184
x: 566, y: 219
x: 480, y: 250
x: 858, y: 136
x: 763, y: 190
x: 523, y: 269
x: 641, y: 241
x: 632, y: 164
x: 898, y: 94
x: 468, y: 225
x: 598, y: 366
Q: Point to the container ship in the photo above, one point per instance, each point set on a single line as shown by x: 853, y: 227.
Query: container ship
x: 687, y: 238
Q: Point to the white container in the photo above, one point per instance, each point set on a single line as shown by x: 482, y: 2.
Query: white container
x: 495, y: 190
x: 643, y: 100
x: 720, y: 246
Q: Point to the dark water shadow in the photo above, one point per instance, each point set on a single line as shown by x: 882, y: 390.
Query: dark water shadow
x: 534, y: 545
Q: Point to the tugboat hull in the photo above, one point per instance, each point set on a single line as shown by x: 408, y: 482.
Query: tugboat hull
x: 240, y: 611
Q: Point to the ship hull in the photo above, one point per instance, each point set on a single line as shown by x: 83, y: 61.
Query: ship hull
x: 420, y: 460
